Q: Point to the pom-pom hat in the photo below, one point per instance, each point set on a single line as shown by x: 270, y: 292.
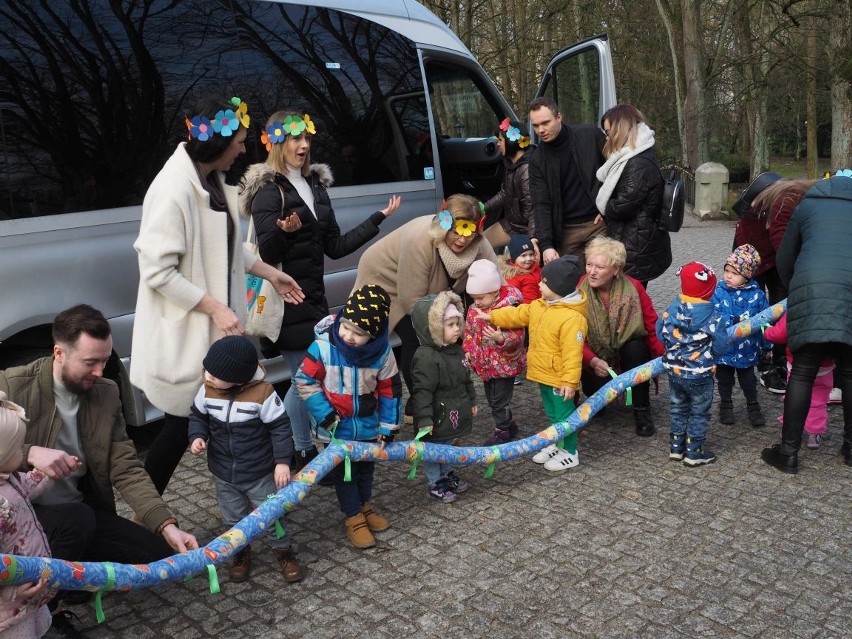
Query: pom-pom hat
x: 697, y: 280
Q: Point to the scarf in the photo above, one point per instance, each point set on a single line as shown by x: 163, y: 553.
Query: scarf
x: 458, y: 263
x: 358, y: 356
x: 610, y: 328
x: 610, y: 172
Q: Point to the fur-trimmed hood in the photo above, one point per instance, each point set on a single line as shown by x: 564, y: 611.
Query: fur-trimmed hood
x: 427, y: 317
x: 259, y: 175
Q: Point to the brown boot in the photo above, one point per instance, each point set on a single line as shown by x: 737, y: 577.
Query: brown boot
x: 241, y: 566
x: 289, y: 565
x: 375, y: 522
x: 359, y: 532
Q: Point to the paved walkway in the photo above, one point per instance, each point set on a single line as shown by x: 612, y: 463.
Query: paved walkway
x: 627, y: 545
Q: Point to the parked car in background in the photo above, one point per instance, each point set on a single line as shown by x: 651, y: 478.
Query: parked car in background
x: 93, y: 103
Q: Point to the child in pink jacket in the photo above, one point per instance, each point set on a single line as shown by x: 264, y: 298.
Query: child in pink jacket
x: 496, y: 355
x: 815, y: 423
x: 23, y: 608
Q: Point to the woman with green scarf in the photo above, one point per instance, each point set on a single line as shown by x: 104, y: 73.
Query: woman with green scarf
x: 622, y: 321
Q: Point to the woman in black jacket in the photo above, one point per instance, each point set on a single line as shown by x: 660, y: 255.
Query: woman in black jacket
x: 288, y: 200
x: 510, y: 210
x: 631, y: 193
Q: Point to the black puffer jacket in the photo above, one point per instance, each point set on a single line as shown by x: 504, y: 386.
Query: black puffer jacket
x: 632, y: 213
x: 511, y: 206
x: 813, y: 262
x: 302, y: 254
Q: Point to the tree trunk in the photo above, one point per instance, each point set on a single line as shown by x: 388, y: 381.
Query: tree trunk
x: 840, y: 67
x: 695, y: 125
x: 665, y: 11
x: 811, y: 115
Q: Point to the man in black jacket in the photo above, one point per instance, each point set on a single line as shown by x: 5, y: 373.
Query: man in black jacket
x: 563, y: 184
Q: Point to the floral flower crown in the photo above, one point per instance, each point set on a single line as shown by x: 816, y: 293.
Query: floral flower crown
x: 225, y: 122
x: 513, y: 134
x: 461, y: 226
x: 293, y: 125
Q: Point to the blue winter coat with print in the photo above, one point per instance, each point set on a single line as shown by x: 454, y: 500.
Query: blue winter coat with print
x: 690, y: 331
x: 736, y: 305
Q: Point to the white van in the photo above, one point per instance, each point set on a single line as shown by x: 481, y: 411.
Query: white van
x: 94, y: 110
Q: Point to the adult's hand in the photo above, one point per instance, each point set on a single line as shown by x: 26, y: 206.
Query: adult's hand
x: 393, y: 205
x: 54, y: 463
x: 599, y: 218
x: 290, y: 224
x: 549, y: 255
x: 178, y: 539
x: 600, y: 367
x: 287, y: 288
x: 223, y: 317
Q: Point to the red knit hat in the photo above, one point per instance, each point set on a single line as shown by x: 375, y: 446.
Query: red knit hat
x: 697, y: 280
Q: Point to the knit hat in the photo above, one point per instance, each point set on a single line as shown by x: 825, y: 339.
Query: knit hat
x: 745, y: 259
x: 519, y: 244
x: 451, y: 311
x: 697, y: 280
x: 483, y: 277
x: 561, y: 275
x: 368, y: 308
x: 232, y: 359
x: 12, y: 429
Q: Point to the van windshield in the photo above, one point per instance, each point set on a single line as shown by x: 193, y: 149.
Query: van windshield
x: 100, y: 91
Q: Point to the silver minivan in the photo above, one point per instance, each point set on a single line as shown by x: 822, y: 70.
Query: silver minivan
x: 97, y: 93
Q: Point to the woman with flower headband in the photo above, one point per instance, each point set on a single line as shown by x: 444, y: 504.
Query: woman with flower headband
x: 192, y: 268
x: 632, y: 191
x: 510, y: 210
x: 427, y: 255
x: 288, y: 199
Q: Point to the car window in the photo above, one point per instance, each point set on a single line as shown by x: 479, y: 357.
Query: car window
x: 100, y: 91
x: 459, y: 106
x: 575, y: 86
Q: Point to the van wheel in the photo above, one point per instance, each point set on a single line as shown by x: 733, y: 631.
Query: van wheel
x: 22, y: 355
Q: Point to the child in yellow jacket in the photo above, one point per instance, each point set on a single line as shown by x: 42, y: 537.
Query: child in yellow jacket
x: 557, y: 326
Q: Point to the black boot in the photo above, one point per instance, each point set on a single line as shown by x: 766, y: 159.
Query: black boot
x: 644, y: 421
x: 785, y: 463
x: 846, y: 451
x: 302, y: 458
x: 755, y: 415
x: 726, y: 411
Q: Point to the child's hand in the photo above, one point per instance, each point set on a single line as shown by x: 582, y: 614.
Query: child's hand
x: 494, y: 334
x: 282, y: 475
x: 565, y: 392
x: 198, y: 446
x: 474, y: 410
x: 481, y: 314
x: 29, y: 589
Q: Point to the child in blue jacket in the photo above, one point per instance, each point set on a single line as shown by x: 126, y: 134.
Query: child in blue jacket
x: 350, y: 383
x: 690, y: 331
x: 737, y: 298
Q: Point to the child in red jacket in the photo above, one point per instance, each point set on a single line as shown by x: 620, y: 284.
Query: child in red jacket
x: 519, y: 267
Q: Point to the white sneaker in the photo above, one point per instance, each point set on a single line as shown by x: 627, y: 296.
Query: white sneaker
x: 563, y: 460
x: 545, y: 454
x: 835, y: 396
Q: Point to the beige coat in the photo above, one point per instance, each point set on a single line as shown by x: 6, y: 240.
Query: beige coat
x: 183, y: 254
x: 406, y: 264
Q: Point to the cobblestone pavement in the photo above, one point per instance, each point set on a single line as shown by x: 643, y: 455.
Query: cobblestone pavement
x: 629, y: 544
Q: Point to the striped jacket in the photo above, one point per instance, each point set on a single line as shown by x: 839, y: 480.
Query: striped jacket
x: 367, y: 399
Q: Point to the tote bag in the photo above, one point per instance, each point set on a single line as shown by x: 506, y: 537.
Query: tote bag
x: 264, y: 306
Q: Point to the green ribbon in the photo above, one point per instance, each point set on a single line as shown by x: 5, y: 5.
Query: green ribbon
x: 628, y: 394
x: 418, y: 446
x: 99, y: 608
x: 213, y: 578
x: 490, y: 470
x: 347, y: 463
x: 279, y: 529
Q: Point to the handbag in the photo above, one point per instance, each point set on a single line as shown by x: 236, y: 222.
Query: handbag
x: 264, y: 306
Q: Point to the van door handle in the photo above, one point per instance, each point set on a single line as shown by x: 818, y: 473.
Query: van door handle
x: 467, y: 185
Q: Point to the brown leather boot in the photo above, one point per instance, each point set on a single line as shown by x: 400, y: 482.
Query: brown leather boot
x: 240, y: 567
x: 289, y: 565
x: 375, y: 522
x: 359, y: 532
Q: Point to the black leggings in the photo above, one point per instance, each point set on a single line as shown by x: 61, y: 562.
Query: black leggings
x: 633, y: 353
x: 167, y: 450
x: 404, y: 353
x: 797, y: 402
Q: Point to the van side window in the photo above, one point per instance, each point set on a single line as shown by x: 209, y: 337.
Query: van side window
x: 575, y: 86
x: 96, y: 108
x: 458, y: 105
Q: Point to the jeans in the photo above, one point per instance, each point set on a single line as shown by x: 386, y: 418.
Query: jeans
x: 633, y: 353
x: 351, y: 494
x: 797, y: 402
x: 558, y: 410
x: 167, y: 450
x: 498, y: 394
x: 435, y: 470
x: 300, y: 419
x: 236, y: 501
x: 746, y: 378
x: 689, y: 408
